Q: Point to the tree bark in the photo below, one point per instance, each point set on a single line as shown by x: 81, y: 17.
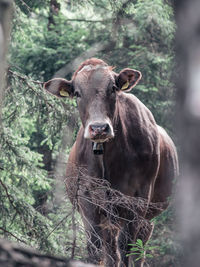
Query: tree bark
x: 188, y: 117
x: 5, y: 18
x: 53, y: 10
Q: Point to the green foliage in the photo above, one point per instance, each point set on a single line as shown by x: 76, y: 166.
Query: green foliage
x: 141, y: 250
x: 24, y: 179
x: 165, y: 236
x: 145, y: 43
x: 33, y: 42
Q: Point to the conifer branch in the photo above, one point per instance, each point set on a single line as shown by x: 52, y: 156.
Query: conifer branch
x: 8, y: 232
x: 11, y: 202
x: 8, y: 195
x: 24, y: 79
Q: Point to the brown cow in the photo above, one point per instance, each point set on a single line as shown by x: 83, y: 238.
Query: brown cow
x: 119, y: 142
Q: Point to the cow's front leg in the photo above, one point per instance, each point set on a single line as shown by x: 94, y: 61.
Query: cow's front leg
x: 91, y: 219
x: 144, y: 234
x: 110, y: 242
x: 94, y: 244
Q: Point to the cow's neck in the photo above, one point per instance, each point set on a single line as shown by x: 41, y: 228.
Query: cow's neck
x: 113, y: 149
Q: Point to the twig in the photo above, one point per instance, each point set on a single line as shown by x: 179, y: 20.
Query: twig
x: 58, y: 224
x: 74, y: 206
x: 14, y: 73
x: 24, y: 4
x: 8, y: 195
x: 74, y: 233
x: 24, y: 79
x: 18, y: 239
x: 89, y: 20
x: 11, y: 202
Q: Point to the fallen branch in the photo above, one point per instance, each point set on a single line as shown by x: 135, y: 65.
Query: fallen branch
x: 15, y: 255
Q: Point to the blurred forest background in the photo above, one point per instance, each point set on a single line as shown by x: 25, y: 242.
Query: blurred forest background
x: 49, y: 39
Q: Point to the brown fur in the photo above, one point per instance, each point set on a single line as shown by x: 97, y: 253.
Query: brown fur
x: 90, y: 61
x: 139, y: 161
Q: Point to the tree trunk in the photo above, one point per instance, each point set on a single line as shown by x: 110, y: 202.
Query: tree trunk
x: 188, y: 117
x: 5, y: 17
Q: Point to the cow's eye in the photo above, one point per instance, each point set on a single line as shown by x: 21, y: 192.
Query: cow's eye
x: 77, y: 94
x: 114, y: 88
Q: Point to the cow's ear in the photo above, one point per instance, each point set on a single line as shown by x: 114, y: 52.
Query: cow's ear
x: 59, y: 87
x: 127, y: 79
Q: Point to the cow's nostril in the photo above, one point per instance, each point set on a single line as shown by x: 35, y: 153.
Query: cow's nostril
x: 99, y: 128
x: 105, y: 127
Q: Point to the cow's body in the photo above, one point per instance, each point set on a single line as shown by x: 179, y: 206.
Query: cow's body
x: 139, y: 160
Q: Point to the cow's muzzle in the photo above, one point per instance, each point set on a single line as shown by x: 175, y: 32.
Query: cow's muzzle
x: 99, y: 129
x: 99, y: 132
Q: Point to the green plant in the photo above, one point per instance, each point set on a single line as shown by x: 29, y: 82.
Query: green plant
x: 141, y: 250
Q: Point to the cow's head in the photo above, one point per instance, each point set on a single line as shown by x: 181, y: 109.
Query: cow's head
x: 95, y: 86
